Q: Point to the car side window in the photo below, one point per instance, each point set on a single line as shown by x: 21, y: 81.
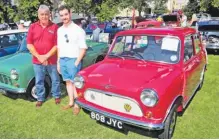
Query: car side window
x: 11, y: 39
x: 197, y: 43
x: 188, y: 48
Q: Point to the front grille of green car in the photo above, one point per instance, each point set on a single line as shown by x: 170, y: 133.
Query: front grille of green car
x: 5, y: 79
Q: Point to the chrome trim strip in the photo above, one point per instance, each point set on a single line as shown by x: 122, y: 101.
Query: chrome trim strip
x: 116, y: 95
x: 133, y: 122
x: 19, y: 90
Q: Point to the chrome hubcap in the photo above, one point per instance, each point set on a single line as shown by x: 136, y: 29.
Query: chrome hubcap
x: 172, y: 124
x: 33, y: 92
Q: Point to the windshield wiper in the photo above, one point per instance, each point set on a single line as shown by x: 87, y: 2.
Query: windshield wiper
x: 115, y: 55
x: 135, y: 57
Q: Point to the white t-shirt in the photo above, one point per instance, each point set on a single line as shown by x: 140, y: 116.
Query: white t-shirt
x: 70, y: 40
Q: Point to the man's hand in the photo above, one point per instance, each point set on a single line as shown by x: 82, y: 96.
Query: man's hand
x: 58, y: 68
x: 42, y: 58
x: 76, y: 64
x: 45, y: 63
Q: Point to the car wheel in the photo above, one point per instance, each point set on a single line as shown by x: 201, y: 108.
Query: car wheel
x: 99, y: 58
x: 170, y: 124
x: 202, y: 79
x: 31, y: 91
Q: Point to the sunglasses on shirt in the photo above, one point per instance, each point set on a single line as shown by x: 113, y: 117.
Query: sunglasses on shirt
x: 66, y: 37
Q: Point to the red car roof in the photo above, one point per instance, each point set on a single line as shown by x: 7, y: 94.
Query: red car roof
x: 177, y: 31
x: 149, y: 22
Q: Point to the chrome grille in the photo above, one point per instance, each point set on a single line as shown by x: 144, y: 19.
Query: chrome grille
x: 113, y: 102
x: 5, y: 79
x: 213, y: 39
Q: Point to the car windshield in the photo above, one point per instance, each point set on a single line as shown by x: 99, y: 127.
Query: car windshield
x: 23, y: 46
x: 147, y: 48
x: 12, y: 39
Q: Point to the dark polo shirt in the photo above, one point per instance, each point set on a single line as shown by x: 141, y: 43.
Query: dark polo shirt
x: 43, y: 40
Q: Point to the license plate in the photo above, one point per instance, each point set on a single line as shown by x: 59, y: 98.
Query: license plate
x: 109, y: 121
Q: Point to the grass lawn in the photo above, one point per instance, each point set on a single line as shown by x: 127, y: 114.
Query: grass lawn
x: 20, y: 119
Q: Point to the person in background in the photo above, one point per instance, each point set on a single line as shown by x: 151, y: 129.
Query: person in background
x: 160, y: 19
x: 21, y: 25
x: 184, y: 20
x: 71, y: 49
x: 41, y: 42
x: 96, y: 34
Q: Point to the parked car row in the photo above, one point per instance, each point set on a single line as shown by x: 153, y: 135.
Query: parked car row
x: 143, y: 80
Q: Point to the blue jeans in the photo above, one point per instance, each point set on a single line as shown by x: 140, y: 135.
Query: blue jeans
x: 40, y: 73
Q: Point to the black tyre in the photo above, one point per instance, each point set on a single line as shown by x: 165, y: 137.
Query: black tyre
x: 31, y: 91
x: 170, y: 124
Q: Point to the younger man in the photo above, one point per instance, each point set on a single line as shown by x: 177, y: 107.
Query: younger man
x: 71, y: 49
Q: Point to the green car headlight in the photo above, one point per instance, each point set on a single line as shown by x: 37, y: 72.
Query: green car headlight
x: 14, y: 74
x: 79, y: 81
x: 149, y: 97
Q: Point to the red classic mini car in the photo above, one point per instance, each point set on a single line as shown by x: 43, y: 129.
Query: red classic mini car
x: 147, y: 77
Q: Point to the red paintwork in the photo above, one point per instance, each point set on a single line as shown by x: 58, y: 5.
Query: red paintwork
x: 129, y: 77
x: 153, y: 23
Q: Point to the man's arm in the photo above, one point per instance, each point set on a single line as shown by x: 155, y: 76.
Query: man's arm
x: 32, y: 50
x: 83, y: 47
x: 80, y: 57
x: 41, y: 58
x: 51, y: 52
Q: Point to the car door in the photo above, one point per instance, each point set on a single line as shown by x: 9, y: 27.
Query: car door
x: 191, y: 68
x: 200, y: 55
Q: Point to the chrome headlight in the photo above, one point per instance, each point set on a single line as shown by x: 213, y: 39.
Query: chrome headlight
x: 79, y: 81
x: 149, y: 97
x: 14, y: 74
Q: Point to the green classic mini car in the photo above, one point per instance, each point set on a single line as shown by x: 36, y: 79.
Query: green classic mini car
x: 17, y: 74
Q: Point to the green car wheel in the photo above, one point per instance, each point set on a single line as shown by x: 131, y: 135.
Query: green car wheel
x: 31, y: 91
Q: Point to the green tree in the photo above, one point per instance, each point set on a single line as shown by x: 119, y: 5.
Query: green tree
x: 7, y: 13
x: 139, y: 5
x: 206, y: 4
x: 27, y: 9
x: 107, y: 10
x: 160, y: 6
x: 191, y: 8
x: 103, y: 9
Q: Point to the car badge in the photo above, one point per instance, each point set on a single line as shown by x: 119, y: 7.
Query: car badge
x: 127, y: 107
x: 108, y: 86
x: 92, y: 97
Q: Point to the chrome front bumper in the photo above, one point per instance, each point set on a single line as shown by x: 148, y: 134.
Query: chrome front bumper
x: 128, y: 121
x: 212, y: 46
x: 6, y: 89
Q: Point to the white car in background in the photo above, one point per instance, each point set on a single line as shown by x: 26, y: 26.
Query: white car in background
x: 124, y: 24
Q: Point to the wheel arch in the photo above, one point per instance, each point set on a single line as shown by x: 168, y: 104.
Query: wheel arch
x: 177, y: 100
